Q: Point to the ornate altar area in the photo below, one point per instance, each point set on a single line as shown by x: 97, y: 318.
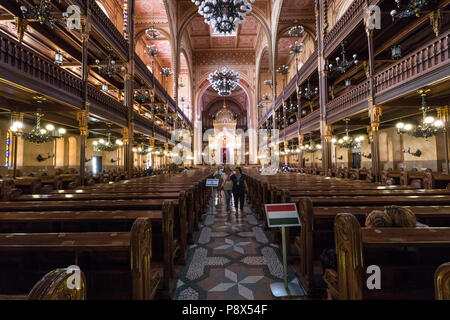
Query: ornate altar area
x: 226, y: 143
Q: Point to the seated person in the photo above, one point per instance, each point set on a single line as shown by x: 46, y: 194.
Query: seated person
x: 378, y: 219
x: 403, y: 217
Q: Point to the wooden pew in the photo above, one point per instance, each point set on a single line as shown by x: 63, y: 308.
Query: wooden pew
x: 164, y: 247
x: 54, y: 286
x: 117, y: 265
x: 409, y: 275
x: 8, y: 190
x: 116, y: 211
x: 434, y: 180
x: 317, y: 233
x: 28, y: 185
x: 442, y: 282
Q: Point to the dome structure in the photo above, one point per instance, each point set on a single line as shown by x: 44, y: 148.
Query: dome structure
x: 224, y: 119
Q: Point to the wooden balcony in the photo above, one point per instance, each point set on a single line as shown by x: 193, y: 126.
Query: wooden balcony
x: 351, y: 18
x: 106, y: 106
x: 425, y: 65
x: 310, y: 122
x: 104, y: 27
x: 421, y: 67
x: 349, y: 102
x: 20, y: 65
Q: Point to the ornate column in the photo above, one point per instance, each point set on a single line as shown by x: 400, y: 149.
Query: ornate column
x: 129, y: 89
x: 301, y: 138
x: 323, y: 88
x: 375, y: 113
x: 83, y: 116
x: 83, y: 119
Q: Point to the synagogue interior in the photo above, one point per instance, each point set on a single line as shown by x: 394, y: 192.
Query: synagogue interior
x: 224, y: 150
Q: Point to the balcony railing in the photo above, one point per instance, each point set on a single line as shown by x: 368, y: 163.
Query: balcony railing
x: 359, y: 93
x: 96, y: 96
x: 37, y: 71
x: 105, y: 26
x: 344, y: 26
x: 308, y: 122
x: 428, y: 58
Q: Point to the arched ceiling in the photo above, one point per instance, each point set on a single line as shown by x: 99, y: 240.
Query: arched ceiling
x: 239, y: 97
x: 147, y: 13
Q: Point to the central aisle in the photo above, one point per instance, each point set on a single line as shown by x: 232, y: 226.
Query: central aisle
x: 232, y: 258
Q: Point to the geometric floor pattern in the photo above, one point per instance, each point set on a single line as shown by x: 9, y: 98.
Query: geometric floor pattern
x: 232, y: 258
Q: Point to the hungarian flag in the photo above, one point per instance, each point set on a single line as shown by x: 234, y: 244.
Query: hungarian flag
x: 282, y: 215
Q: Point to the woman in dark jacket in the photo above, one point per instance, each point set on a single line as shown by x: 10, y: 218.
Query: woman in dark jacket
x: 239, y: 189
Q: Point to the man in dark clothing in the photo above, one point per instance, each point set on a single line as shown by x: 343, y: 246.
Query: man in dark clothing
x: 239, y: 189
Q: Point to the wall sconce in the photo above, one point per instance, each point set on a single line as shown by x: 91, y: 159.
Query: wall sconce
x: 368, y: 156
x: 418, y: 153
x: 40, y: 158
x: 113, y: 161
x: 320, y: 159
x: 340, y: 157
x: 87, y: 160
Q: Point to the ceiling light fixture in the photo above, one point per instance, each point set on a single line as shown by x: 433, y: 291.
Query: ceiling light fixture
x: 224, y: 81
x: 224, y: 15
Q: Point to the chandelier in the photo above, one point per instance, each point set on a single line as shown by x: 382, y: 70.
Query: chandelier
x: 311, y: 148
x: 343, y: 65
x: 283, y: 69
x: 38, y: 134
x: 107, y: 145
x: 429, y: 127
x: 152, y: 33
x: 296, y: 31
x: 308, y: 94
x: 151, y: 50
x: 224, y: 81
x: 110, y: 69
x: 142, y: 96
x: 296, y: 48
x: 413, y: 8
x: 347, y: 141
x: 142, y: 151
x: 224, y: 15
x: 40, y: 12
x: 166, y: 72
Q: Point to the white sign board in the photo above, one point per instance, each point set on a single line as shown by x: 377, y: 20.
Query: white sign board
x: 212, y: 182
x: 282, y: 215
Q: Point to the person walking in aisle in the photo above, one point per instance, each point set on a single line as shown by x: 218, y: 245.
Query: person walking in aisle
x: 239, y: 189
x: 227, y: 186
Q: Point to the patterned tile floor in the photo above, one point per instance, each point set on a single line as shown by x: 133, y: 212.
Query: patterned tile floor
x: 232, y: 258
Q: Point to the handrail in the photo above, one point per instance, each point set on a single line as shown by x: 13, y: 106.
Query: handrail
x: 97, y: 96
x: 355, y: 95
x: 430, y: 56
x: 15, y: 55
x: 341, y: 29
